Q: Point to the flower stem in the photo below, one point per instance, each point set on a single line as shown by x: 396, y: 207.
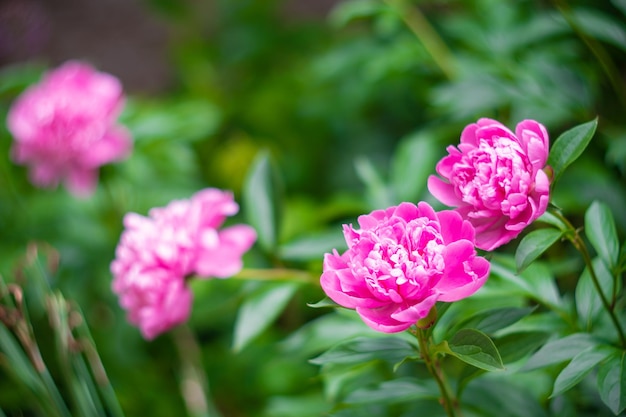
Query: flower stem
x: 573, y: 236
x: 449, y: 402
x: 194, y: 383
x: 427, y: 35
x: 277, y: 274
x: 608, y: 66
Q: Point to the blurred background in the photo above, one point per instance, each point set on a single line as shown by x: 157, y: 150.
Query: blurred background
x: 354, y: 102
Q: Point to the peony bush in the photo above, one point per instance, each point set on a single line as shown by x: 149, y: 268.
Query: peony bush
x: 388, y: 228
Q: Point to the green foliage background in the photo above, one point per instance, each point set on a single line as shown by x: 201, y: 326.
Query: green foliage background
x: 352, y: 112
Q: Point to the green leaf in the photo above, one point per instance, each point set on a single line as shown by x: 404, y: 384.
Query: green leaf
x: 569, y: 146
x: 307, y: 404
x: 96, y: 367
x: 408, y: 178
x: 579, y: 367
x: 378, y: 193
x: 551, y: 219
x: 612, y: 382
x: 560, y: 350
x: 497, y: 318
x: 365, y: 349
x: 533, y: 245
x: 475, y: 348
x: 620, y: 4
x: 323, y: 303
x: 600, y: 26
x: 186, y: 121
x: 84, y: 399
x: 536, y: 281
x: 313, y: 247
x: 601, y: 232
x: 325, y: 332
x: 40, y: 384
x: 347, y: 11
x: 588, y: 303
x: 262, y: 195
x: 391, y: 392
x: 515, y: 346
x: 498, y: 397
x: 17, y: 77
x: 259, y: 310
x: 17, y: 362
x: 546, y: 322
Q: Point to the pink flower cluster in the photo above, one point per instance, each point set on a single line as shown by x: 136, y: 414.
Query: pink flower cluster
x: 400, y: 262
x: 65, y: 127
x: 158, y: 253
x: 404, y: 259
x: 495, y: 179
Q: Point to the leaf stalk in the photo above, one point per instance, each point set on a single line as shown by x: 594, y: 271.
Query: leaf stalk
x: 573, y: 235
x: 449, y: 401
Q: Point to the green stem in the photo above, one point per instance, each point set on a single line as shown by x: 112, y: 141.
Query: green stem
x: 449, y: 402
x: 277, y: 274
x: 427, y: 35
x: 194, y: 383
x: 578, y: 242
x: 597, y: 50
x: 97, y: 368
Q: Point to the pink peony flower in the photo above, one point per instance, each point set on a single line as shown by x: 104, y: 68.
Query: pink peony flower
x: 65, y: 127
x: 158, y: 253
x: 495, y: 179
x: 402, y: 261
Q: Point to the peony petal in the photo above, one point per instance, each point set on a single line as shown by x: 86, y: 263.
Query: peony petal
x: 443, y: 191
x: 426, y: 210
x: 415, y: 312
x: 492, y: 131
x: 380, y: 319
x: 494, y: 238
x: 81, y: 182
x: 454, y: 228
x: 45, y: 175
x: 332, y: 287
x: 174, y: 309
x: 529, y: 131
x: 224, y: 260
x: 370, y: 221
x: 536, y: 153
x: 115, y: 145
x: 407, y: 211
x: 486, y: 121
x: 468, y: 135
x: 335, y: 261
x: 445, y: 167
x: 461, y: 283
x: 542, y: 183
x: 458, y: 252
x: 211, y: 206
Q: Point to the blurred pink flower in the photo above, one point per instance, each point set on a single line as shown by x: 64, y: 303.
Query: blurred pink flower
x: 402, y: 261
x: 65, y: 127
x: 158, y: 253
x: 495, y: 179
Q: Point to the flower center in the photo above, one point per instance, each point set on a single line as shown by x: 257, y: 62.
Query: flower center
x: 401, y: 258
x: 487, y: 175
